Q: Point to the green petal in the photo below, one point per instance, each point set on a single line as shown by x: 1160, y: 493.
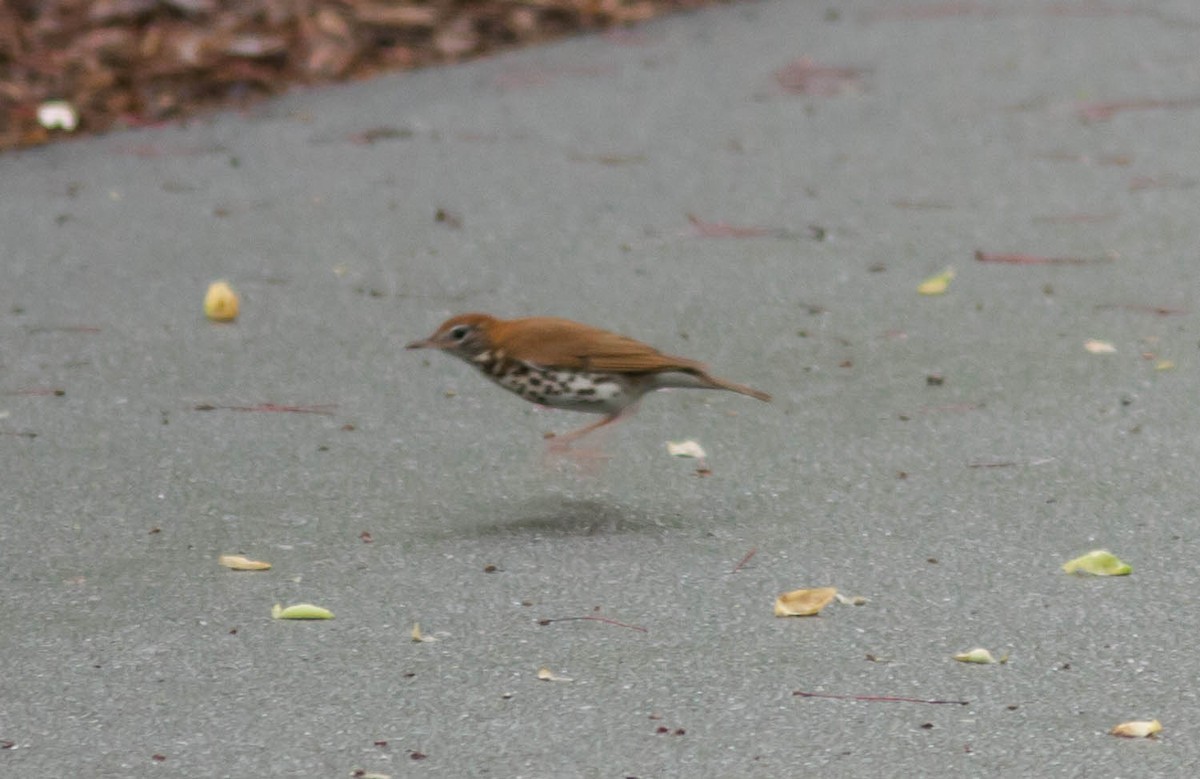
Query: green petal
x: 978, y: 655
x: 301, y: 611
x: 1099, y: 562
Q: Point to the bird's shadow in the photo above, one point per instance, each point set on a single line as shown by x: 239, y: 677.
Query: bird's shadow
x: 558, y: 515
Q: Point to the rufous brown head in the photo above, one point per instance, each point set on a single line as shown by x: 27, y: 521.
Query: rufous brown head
x: 464, y: 335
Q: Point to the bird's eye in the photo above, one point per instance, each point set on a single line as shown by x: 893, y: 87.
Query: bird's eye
x: 459, y: 332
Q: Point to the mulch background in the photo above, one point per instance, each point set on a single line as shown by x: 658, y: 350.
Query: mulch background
x: 125, y: 63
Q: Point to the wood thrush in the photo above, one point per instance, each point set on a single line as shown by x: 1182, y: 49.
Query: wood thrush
x: 568, y: 365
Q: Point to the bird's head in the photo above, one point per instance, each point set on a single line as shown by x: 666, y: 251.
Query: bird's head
x: 465, y: 335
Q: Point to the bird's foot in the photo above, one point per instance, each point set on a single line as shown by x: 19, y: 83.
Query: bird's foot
x: 588, y: 461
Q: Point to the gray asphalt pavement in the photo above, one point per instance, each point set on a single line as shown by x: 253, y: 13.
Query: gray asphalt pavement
x: 941, y: 456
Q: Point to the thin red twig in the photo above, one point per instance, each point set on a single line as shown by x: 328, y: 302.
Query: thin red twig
x: 951, y: 408
x: 1159, y: 310
x: 320, y: 408
x: 1139, y: 183
x: 726, y: 230
x: 63, y: 329
x: 1033, y: 259
x: 593, y: 618
x: 39, y: 391
x: 1099, y: 112
x: 741, y: 563
x: 873, y: 698
x: 804, y: 76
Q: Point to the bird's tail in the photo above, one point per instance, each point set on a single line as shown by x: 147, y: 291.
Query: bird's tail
x: 743, y: 389
x: 695, y: 376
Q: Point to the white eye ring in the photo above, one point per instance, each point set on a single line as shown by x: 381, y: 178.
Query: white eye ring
x: 459, y: 332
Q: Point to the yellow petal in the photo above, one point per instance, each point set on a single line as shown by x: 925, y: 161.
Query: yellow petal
x: 1099, y: 562
x: 239, y: 563
x: 978, y: 655
x: 420, y: 638
x: 1137, y: 729
x: 301, y: 611
x: 546, y: 675
x: 685, y: 449
x: 804, y: 603
x: 1099, y: 347
x: 936, y: 285
x: 221, y: 302
x: 1164, y: 365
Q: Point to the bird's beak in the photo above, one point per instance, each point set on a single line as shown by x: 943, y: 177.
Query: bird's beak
x: 423, y: 343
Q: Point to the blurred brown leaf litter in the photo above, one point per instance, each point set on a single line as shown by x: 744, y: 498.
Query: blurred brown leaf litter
x: 130, y: 63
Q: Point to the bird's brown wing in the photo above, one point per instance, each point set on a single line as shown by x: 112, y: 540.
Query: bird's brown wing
x: 562, y: 343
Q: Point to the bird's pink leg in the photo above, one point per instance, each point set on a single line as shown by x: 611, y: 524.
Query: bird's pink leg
x: 588, y: 460
x: 560, y: 443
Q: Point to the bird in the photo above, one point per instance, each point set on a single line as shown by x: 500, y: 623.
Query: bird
x: 568, y: 365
